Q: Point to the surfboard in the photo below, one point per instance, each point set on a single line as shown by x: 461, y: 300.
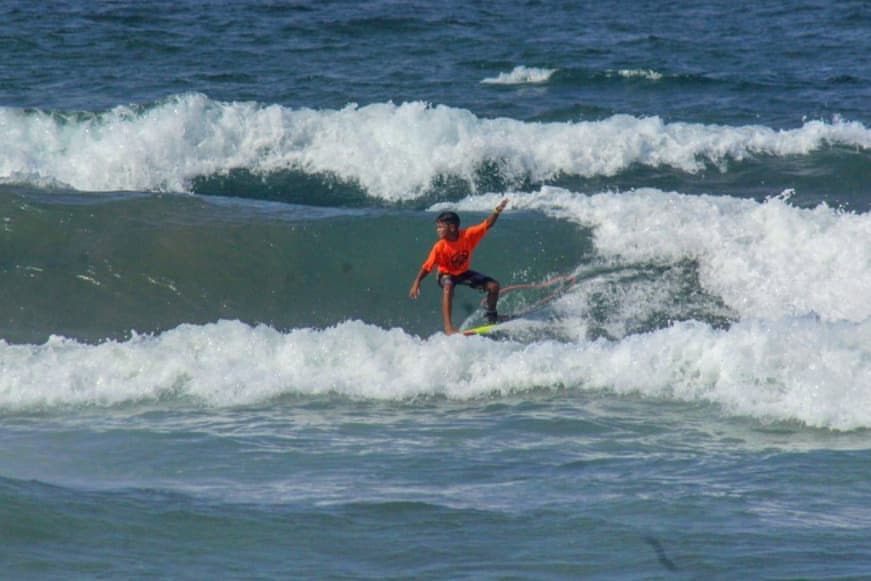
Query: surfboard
x: 484, y: 329
x: 555, y: 286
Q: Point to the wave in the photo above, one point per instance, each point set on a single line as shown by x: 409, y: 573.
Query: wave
x: 97, y: 266
x: 765, y: 260
x: 646, y: 74
x: 640, y: 259
x: 801, y: 369
x: 521, y: 75
x: 392, y: 153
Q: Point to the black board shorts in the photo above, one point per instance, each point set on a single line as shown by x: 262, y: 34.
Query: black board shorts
x: 470, y: 278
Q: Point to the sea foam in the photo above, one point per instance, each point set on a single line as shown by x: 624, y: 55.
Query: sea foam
x: 766, y: 260
x: 521, y: 75
x: 394, y: 152
x: 647, y: 74
x: 797, y: 369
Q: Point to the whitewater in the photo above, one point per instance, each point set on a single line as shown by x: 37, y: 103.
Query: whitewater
x: 395, y: 152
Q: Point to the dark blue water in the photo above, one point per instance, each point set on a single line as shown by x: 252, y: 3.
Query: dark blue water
x: 210, y: 215
x: 718, y: 63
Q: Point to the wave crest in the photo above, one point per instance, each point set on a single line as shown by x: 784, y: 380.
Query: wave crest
x: 392, y: 152
x: 792, y: 370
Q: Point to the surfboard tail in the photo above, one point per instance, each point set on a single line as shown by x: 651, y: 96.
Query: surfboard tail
x: 480, y: 330
x: 484, y: 329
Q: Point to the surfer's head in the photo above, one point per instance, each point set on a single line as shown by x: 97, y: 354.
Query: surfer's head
x: 448, y: 218
x: 447, y: 225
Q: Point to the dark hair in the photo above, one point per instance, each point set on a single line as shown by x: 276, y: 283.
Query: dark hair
x: 449, y: 218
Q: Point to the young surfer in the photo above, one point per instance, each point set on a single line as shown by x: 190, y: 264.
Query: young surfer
x: 452, y: 254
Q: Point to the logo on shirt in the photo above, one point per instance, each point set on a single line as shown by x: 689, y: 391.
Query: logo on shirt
x: 459, y: 259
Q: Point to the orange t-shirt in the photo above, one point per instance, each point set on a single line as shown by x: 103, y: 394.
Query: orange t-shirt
x: 455, y: 256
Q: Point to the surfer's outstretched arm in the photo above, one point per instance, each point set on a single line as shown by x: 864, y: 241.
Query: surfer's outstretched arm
x: 491, y: 219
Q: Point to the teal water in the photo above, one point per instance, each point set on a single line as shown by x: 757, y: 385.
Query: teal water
x: 547, y: 484
x: 149, y: 264
x: 210, y: 217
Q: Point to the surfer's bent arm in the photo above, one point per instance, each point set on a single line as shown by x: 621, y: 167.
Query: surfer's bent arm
x: 415, y: 286
x: 425, y: 269
x: 491, y: 219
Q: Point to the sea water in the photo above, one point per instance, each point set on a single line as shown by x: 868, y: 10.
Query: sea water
x: 211, y: 214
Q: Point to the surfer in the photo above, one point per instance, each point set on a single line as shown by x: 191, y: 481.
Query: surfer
x: 452, y: 254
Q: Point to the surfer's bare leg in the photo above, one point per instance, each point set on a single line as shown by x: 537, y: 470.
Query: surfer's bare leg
x: 448, y: 305
x: 492, y: 289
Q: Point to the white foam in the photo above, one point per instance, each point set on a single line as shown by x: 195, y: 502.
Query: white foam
x: 521, y: 75
x: 393, y: 151
x: 801, y: 369
x: 766, y: 260
x: 648, y: 74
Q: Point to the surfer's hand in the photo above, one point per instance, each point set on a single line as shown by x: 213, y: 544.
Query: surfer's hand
x: 415, y: 291
x: 491, y: 219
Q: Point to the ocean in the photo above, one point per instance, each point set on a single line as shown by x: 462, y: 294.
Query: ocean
x: 211, y: 214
